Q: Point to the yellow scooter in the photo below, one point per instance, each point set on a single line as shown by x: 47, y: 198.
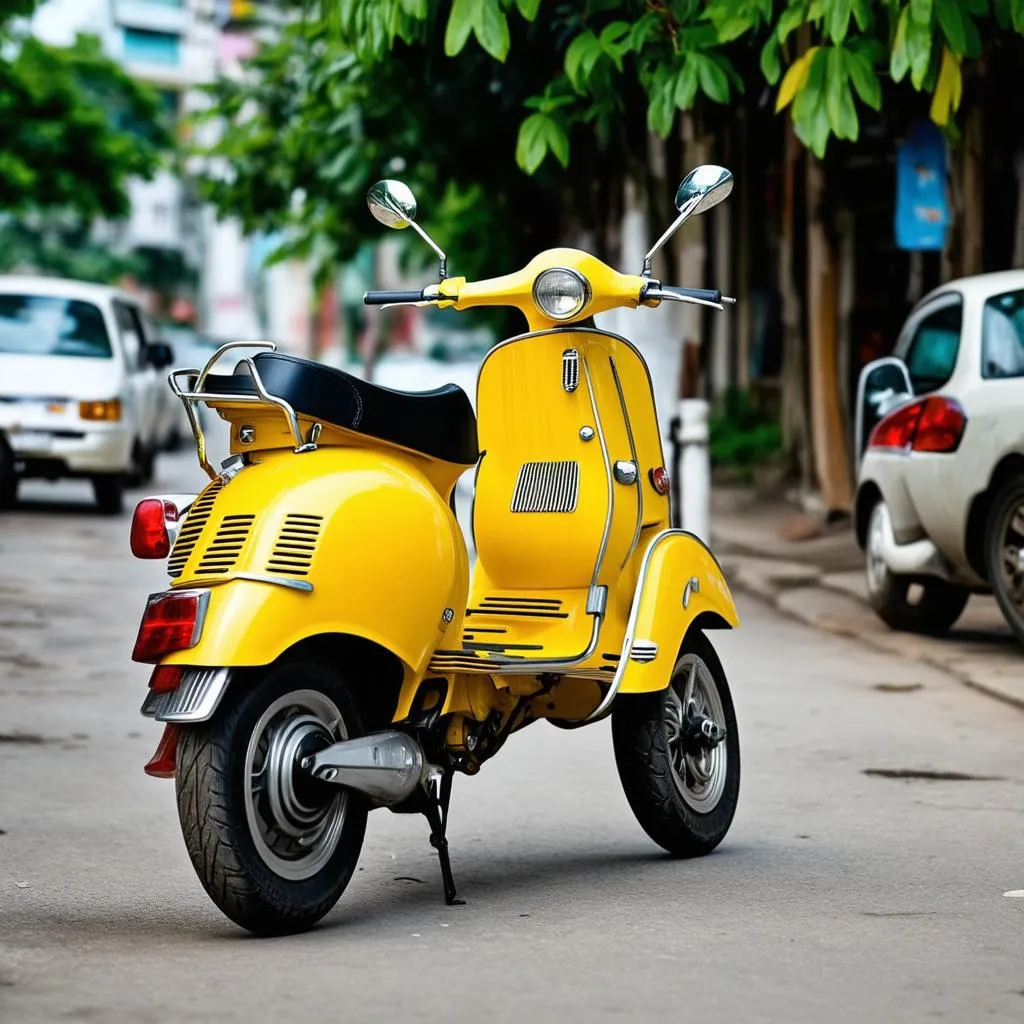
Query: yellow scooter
x: 324, y: 648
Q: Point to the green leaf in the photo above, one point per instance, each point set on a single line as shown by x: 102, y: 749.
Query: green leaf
x: 862, y: 14
x: 460, y: 24
x: 614, y: 41
x: 661, y: 107
x: 528, y: 8
x: 491, y: 28
x: 865, y: 80
x: 770, y: 66
x: 790, y: 19
x: 919, y: 48
x: 921, y: 12
x: 951, y: 20
x: 837, y: 19
x: 685, y: 91
x: 539, y: 134
x: 713, y: 80
x: 899, y: 63
x: 734, y: 27
x: 581, y: 56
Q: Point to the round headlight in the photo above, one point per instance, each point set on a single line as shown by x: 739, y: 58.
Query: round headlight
x: 561, y: 293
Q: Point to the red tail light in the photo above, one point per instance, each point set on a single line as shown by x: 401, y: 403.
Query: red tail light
x: 165, y: 678
x: 149, y: 537
x: 933, y: 424
x: 173, y: 621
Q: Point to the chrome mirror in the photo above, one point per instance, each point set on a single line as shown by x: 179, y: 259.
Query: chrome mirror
x: 702, y: 188
x: 392, y: 203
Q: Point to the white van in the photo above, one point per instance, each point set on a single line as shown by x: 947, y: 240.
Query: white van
x: 81, y: 392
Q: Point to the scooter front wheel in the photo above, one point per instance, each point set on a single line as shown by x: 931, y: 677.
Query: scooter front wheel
x: 273, y: 848
x: 678, y: 754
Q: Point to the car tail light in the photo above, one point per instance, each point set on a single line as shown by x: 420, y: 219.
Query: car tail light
x: 934, y: 424
x: 173, y: 621
x: 109, y: 411
x: 149, y: 536
x: 660, y: 480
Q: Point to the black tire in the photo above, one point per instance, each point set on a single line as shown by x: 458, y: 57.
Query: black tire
x: 641, y: 737
x: 1004, y: 542
x: 8, y: 476
x: 938, y: 607
x: 143, y: 465
x: 109, y: 492
x: 210, y: 782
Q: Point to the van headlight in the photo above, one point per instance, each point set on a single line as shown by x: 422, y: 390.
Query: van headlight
x: 561, y: 293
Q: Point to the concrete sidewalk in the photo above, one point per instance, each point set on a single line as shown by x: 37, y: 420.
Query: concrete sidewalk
x: 820, y: 581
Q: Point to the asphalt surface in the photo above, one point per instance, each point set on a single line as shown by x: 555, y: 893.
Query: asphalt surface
x: 837, y: 896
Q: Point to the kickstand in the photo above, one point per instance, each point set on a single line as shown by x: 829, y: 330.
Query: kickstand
x: 436, y: 811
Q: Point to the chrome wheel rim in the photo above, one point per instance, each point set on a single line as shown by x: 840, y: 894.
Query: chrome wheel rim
x: 295, y: 823
x: 1011, y: 557
x: 874, y: 563
x: 699, y: 776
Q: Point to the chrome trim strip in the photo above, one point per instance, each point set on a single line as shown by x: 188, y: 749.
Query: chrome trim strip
x: 636, y: 463
x: 280, y: 581
x: 602, y: 550
x: 627, y: 641
x: 643, y: 651
x: 197, y: 697
x: 526, y: 667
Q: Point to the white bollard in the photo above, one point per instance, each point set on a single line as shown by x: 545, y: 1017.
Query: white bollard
x: 695, y: 467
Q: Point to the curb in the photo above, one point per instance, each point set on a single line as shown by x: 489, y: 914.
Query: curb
x: 801, y: 592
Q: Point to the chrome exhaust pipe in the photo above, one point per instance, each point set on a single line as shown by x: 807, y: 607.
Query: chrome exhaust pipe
x: 386, y: 766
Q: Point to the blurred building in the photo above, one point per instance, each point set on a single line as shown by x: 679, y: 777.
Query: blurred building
x: 175, y: 46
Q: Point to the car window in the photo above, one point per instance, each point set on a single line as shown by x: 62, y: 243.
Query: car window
x: 931, y: 355
x: 132, y: 335
x: 1002, y: 336
x: 44, y: 325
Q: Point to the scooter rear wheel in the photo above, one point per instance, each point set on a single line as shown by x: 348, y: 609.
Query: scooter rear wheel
x: 273, y: 848
x: 681, y: 780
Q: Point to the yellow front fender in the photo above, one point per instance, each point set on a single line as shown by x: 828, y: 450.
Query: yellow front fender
x: 680, y: 583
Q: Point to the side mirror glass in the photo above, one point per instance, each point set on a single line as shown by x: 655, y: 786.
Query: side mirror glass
x: 702, y: 188
x: 392, y: 203
x: 883, y: 386
x: 160, y: 354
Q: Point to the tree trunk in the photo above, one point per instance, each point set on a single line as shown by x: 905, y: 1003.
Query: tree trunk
x: 828, y: 426
x: 795, y: 432
x: 1018, y: 238
x: 971, y: 238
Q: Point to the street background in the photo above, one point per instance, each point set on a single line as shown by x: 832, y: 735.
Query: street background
x: 838, y: 895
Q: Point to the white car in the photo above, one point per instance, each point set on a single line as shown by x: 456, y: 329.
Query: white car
x: 81, y: 388
x: 940, y: 498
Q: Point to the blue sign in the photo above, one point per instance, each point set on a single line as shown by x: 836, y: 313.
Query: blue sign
x: 922, y: 209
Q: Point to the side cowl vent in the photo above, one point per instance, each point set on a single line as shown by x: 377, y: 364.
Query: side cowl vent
x: 295, y: 546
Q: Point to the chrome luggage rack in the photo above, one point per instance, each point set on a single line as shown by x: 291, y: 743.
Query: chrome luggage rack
x: 197, y: 393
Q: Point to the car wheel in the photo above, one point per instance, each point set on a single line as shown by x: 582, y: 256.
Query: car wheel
x: 109, y: 491
x: 938, y: 605
x: 1004, y: 552
x: 143, y: 462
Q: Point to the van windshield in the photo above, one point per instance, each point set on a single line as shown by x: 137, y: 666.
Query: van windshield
x: 45, y: 325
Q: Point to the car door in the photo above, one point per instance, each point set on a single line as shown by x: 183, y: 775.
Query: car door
x: 931, y: 347
x: 141, y: 375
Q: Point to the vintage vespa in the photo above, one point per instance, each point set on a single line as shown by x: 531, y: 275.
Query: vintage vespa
x: 324, y: 648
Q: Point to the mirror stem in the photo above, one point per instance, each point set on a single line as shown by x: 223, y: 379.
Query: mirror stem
x: 433, y: 245
x: 684, y: 214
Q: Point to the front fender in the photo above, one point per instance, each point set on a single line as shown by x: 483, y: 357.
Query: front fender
x: 680, y: 583
x: 388, y: 559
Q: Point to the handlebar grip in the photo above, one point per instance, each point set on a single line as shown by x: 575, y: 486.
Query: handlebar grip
x: 703, y: 294
x: 383, y: 298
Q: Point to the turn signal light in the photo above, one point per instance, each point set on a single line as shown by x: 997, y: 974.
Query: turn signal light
x: 933, y: 424
x: 149, y: 536
x: 109, y: 411
x: 173, y: 621
x: 660, y: 480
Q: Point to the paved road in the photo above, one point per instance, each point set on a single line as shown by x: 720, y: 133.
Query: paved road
x: 838, y: 896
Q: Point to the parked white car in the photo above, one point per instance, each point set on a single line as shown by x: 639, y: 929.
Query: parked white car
x: 81, y: 388
x: 940, y: 497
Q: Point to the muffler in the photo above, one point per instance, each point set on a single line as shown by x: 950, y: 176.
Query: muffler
x: 386, y: 766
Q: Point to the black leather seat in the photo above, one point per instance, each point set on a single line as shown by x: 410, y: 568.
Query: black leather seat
x: 438, y: 423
